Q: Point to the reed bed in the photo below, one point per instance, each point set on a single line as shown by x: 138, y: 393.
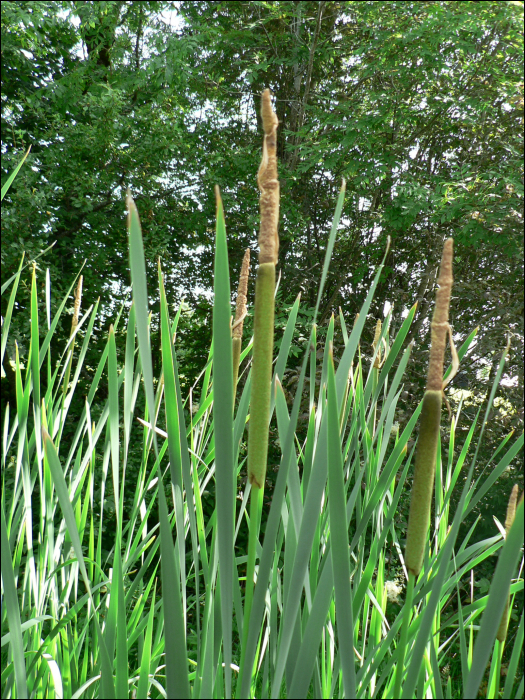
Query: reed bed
x: 179, y: 609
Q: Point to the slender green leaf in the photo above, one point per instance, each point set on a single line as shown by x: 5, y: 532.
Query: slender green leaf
x: 505, y: 570
x: 339, y: 538
x: 223, y: 430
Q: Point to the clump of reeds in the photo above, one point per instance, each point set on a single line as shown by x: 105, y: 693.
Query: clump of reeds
x: 309, y: 625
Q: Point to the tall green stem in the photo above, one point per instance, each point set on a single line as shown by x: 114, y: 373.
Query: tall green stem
x: 256, y: 500
x: 261, y: 374
x: 400, y: 665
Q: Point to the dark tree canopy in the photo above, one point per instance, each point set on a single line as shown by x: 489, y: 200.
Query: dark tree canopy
x: 418, y: 105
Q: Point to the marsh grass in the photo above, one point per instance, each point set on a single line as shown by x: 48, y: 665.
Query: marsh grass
x: 164, y: 615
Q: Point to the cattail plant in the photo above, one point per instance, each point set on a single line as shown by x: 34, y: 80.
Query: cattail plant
x: 429, y: 430
x: 264, y: 301
x: 511, y: 514
x: 423, y: 485
x: 240, y: 315
x: 262, y: 337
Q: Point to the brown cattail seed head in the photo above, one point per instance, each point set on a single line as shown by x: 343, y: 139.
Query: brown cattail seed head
x: 377, y: 335
x: 240, y: 308
x: 76, y: 308
x: 268, y: 185
x: 439, y: 325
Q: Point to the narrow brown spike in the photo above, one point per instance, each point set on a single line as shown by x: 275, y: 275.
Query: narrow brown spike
x: 268, y: 185
x: 76, y: 308
x: 240, y: 308
x: 377, y: 335
x: 440, y: 325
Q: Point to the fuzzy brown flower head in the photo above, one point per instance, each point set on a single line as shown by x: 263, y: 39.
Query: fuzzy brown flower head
x: 377, y: 335
x: 268, y: 185
x: 440, y: 326
x: 76, y: 308
x: 240, y: 308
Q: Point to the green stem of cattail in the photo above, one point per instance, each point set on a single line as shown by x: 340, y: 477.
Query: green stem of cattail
x: 423, y: 485
x: 236, y: 355
x: 261, y: 374
x: 240, y: 314
x: 421, y: 499
x: 511, y: 514
x: 400, y: 664
x: 256, y: 500
x: 262, y: 343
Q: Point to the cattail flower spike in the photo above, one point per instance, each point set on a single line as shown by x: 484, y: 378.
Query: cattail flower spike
x: 509, y: 521
x: 455, y: 367
x: 424, y: 471
x: 238, y: 322
x: 263, y: 322
x: 381, y: 355
x: 240, y: 308
x: 240, y: 314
